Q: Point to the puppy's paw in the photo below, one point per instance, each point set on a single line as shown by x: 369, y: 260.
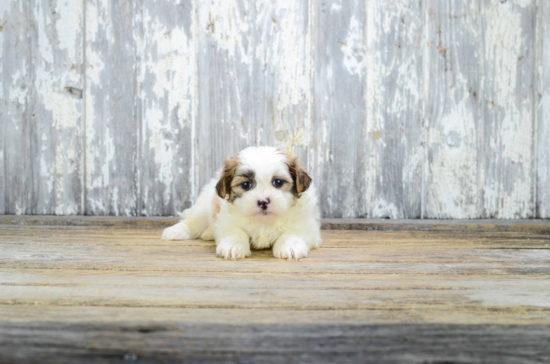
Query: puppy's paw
x: 176, y: 232
x: 290, y: 248
x: 231, y: 248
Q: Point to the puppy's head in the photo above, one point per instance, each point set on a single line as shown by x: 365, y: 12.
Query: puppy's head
x: 262, y: 181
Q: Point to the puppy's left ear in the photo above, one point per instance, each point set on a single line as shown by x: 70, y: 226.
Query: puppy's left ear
x: 223, y: 187
x: 299, y: 176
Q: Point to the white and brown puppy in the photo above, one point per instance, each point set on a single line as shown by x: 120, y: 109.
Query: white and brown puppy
x: 263, y: 199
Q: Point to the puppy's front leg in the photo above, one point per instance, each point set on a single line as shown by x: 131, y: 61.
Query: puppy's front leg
x: 235, y: 245
x: 290, y: 247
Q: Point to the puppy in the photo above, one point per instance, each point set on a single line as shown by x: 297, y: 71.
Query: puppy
x: 262, y: 199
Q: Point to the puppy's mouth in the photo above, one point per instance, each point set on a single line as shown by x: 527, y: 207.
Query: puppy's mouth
x: 264, y: 213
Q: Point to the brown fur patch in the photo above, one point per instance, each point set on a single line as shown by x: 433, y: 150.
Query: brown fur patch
x: 240, y: 177
x: 299, y: 176
x: 223, y: 187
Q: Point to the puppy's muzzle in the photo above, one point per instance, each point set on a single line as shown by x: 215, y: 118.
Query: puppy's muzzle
x: 263, y: 203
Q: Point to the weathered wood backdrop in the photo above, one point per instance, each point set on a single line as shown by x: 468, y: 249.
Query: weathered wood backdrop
x: 401, y: 109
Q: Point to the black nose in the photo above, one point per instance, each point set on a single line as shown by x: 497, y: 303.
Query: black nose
x: 263, y: 203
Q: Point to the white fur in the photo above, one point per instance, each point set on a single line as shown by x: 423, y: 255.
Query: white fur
x: 290, y: 225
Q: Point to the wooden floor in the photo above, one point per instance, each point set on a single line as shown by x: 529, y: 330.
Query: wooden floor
x: 72, y: 294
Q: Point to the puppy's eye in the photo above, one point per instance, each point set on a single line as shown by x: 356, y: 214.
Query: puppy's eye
x: 246, y: 186
x: 278, y: 183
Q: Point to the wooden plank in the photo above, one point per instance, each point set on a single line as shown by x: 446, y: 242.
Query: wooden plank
x: 533, y: 226
x: 226, y: 109
x: 397, y: 236
x: 542, y: 91
x: 112, y: 118
x: 393, y: 145
x: 507, y: 108
x: 3, y: 102
x: 452, y: 110
x: 16, y: 113
x: 130, y: 221
x: 311, y: 292
x: 506, y: 298
x: 312, y: 266
x: 167, y: 97
x: 337, y: 159
x: 41, y: 149
x: 152, y: 300
x: 254, y: 79
x: 377, y: 240
x: 281, y: 77
x: 345, y: 252
x: 436, y: 225
x: 58, y: 279
x: 224, y: 62
x: 28, y: 249
x: 55, y: 97
x: 163, y: 316
x: 234, y: 343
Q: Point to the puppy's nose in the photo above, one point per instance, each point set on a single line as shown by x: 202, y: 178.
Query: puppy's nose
x: 263, y: 203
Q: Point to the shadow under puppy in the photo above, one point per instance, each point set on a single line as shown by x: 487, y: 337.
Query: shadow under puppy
x: 263, y: 199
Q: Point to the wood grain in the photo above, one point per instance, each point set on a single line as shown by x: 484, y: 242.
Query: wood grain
x: 16, y: 113
x: 467, y: 226
x: 112, y: 115
x: 452, y: 110
x: 393, y: 150
x: 542, y: 92
x: 507, y: 107
x: 97, y: 293
x: 254, y: 86
x: 225, y: 316
x: 273, y: 344
x: 226, y: 111
x: 56, y: 100
x: 337, y: 161
x: 166, y: 100
x: 41, y: 73
x: 417, y: 109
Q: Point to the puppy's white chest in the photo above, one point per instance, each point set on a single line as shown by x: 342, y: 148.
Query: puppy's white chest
x: 262, y: 237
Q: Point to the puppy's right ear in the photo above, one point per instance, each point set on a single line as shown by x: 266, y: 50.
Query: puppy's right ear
x: 299, y: 176
x: 224, y: 184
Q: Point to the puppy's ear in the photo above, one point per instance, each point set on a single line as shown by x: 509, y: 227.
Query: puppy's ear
x: 299, y: 176
x: 223, y: 187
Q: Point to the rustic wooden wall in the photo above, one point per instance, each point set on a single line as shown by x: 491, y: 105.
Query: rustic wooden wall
x: 400, y: 109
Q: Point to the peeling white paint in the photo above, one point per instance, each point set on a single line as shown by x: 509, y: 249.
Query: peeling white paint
x: 452, y: 113
x: 335, y: 7
x: 46, y: 173
x: 383, y: 209
x: 452, y: 171
x: 19, y: 94
x: 522, y: 3
x: 508, y: 194
x: 282, y: 53
x: 44, y: 46
x: 354, y: 49
x: 263, y: 56
x: 57, y: 111
x: 5, y: 6
x: 394, y: 156
x: 228, y: 29
x: 171, y: 86
x: 65, y: 110
x: 94, y: 63
x: 67, y: 27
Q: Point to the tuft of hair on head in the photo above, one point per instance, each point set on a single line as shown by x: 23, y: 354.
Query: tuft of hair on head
x: 299, y: 176
x: 223, y: 187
